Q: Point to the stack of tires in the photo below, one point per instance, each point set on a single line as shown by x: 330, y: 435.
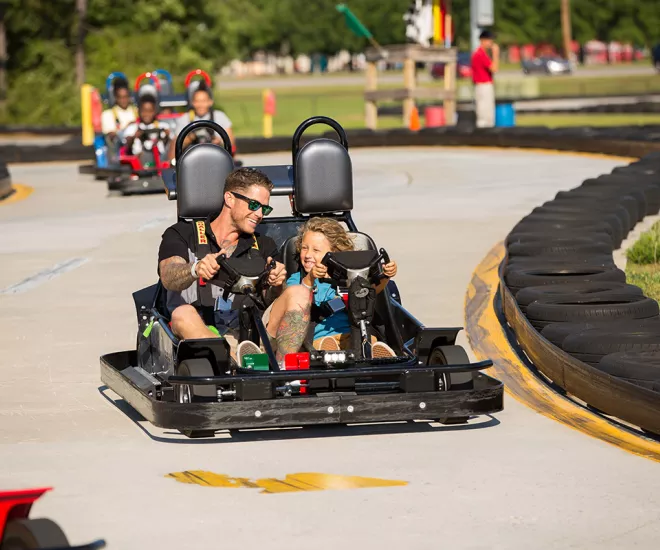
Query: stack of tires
x: 561, y: 271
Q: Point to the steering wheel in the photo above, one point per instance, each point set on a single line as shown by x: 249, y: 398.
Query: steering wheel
x: 344, y: 267
x: 242, y: 275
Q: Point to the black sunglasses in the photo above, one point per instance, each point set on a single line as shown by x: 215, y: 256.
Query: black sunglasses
x: 254, y: 205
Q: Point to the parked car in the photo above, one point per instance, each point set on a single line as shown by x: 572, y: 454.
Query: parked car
x: 546, y: 65
x: 463, y: 67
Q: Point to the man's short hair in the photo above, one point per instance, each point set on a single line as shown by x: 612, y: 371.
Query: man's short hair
x: 242, y: 179
x: 120, y: 84
x: 486, y: 35
x: 147, y: 98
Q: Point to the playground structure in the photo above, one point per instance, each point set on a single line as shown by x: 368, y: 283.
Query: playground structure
x: 410, y: 55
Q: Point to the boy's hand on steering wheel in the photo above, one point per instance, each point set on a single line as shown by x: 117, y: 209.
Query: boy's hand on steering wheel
x: 277, y: 275
x: 319, y: 271
x: 390, y: 269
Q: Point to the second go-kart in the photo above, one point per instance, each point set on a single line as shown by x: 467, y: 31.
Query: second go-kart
x: 196, y: 387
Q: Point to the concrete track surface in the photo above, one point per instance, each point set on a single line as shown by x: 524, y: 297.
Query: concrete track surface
x: 71, y: 256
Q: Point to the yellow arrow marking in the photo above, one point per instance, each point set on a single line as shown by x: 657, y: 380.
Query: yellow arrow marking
x: 292, y: 483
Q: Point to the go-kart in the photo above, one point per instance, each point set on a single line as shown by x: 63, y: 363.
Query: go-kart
x: 196, y: 386
x: 19, y: 532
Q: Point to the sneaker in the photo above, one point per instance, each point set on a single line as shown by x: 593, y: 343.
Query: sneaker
x: 329, y: 343
x: 382, y: 350
x: 247, y: 347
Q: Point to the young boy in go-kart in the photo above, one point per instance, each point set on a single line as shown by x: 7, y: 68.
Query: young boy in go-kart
x: 146, y: 134
x: 317, y: 237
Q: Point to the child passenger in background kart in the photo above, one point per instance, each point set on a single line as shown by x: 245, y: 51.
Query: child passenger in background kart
x: 316, y: 238
x: 145, y: 134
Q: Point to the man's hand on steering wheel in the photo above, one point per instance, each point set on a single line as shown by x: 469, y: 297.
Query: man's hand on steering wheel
x: 208, y: 267
x: 277, y: 275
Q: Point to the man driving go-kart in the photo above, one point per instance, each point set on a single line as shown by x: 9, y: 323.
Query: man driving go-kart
x: 187, y: 259
x: 146, y: 134
x: 119, y: 115
x: 202, y: 103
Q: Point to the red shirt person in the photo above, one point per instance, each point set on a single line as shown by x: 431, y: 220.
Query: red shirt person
x: 483, y: 68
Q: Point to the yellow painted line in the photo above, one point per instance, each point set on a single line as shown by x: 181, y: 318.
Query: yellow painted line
x: 489, y: 341
x: 292, y: 483
x: 20, y: 192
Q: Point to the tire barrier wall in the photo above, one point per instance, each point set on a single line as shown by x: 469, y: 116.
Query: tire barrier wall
x: 631, y: 141
x: 594, y: 336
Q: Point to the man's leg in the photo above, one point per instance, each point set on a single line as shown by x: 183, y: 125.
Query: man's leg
x: 489, y: 101
x: 289, y: 319
x: 480, y: 105
x: 187, y: 324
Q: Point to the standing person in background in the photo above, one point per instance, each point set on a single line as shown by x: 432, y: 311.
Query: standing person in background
x: 483, y: 68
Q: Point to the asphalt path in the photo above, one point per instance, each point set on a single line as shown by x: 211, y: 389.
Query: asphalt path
x: 71, y: 256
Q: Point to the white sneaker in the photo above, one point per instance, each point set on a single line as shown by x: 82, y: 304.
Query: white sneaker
x: 329, y: 343
x: 247, y: 347
x: 382, y: 350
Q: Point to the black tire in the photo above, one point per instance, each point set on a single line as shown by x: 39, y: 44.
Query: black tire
x: 29, y: 534
x: 565, y: 237
x: 607, y: 194
x: 518, y: 278
x: 568, y: 261
x: 452, y: 355
x: 608, y: 305
x: 186, y: 394
x: 618, y: 232
x: 641, y: 368
x: 540, y: 293
x: 576, y: 227
x: 623, y: 185
x: 593, y: 344
x: 579, y: 210
x: 629, y: 203
x: 558, y: 332
x: 557, y: 249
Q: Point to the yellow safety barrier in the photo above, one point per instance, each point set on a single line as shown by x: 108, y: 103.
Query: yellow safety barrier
x: 86, y: 113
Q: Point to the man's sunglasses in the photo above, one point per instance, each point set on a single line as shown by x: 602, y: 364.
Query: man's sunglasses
x: 254, y: 205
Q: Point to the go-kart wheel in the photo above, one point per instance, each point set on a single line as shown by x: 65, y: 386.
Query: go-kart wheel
x: 192, y: 394
x: 452, y: 355
x: 195, y: 394
x: 29, y: 534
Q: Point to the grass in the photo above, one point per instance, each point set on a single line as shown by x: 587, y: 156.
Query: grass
x: 643, y: 266
x: 346, y: 103
x: 646, y: 277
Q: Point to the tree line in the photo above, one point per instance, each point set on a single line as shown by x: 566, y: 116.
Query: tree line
x: 138, y: 35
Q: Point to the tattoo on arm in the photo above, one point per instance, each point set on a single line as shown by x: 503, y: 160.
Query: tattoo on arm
x: 292, y: 331
x: 175, y: 274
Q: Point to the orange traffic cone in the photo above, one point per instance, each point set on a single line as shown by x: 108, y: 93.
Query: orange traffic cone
x: 414, y: 120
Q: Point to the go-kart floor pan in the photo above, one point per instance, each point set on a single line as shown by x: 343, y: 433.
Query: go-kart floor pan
x: 329, y: 408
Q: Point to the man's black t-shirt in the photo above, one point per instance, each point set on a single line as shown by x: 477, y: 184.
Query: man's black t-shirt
x: 181, y: 240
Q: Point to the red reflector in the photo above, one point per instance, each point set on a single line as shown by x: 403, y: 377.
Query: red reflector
x: 296, y: 361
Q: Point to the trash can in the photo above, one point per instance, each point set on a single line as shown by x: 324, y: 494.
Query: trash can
x: 505, y: 115
x: 434, y: 116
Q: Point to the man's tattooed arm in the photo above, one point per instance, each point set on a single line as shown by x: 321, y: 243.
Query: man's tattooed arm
x: 175, y: 274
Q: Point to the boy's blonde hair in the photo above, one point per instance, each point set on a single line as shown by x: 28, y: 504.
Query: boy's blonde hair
x: 340, y: 241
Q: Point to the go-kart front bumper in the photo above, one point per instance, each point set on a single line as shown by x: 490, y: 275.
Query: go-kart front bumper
x: 136, y: 183
x: 336, y: 407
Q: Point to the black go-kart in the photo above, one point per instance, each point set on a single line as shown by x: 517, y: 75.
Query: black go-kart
x: 196, y: 387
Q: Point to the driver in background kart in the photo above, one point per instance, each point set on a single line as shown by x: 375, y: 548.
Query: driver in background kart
x: 202, y: 104
x: 231, y: 231
x: 121, y: 114
x: 146, y: 133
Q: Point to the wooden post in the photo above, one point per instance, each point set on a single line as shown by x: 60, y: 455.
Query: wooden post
x: 449, y: 104
x: 408, y: 84
x: 81, y: 11
x: 370, y: 107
